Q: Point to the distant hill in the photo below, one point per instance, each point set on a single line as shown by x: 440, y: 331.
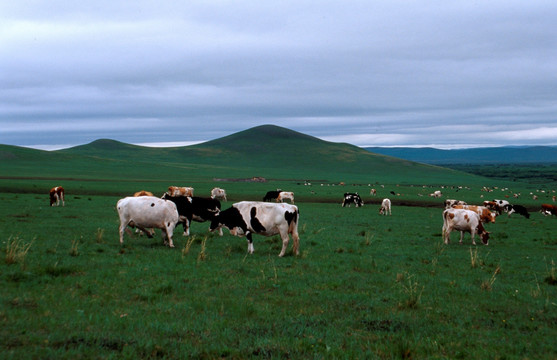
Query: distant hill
x: 496, y: 155
x: 264, y: 151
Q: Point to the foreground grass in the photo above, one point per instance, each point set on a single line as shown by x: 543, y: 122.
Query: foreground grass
x: 363, y: 286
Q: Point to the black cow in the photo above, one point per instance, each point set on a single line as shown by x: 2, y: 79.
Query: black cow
x: 272, y: 195
x: 352, y: 198
x: 194, y: 208
x: 519, y: 209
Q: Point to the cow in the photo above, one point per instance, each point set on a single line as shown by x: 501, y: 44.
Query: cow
x: 548, y: 209
x: 352, y: 198
x: 436, y: 194
x: 253, y: 217
x: 486, y: 216
x: 286, y: 195
x: 57, y: 195
x: 385, y: 207
x: 464, y: 221
x: 499, y: 205
x: 218, y: 193
x: 194, y: 208
x: 272, y: 195
x: 373, y: 192
x: 180, y: 191
x: 449, y: 203
x: 519, y: 209
x: 143, y: 193
x: 146, y: 212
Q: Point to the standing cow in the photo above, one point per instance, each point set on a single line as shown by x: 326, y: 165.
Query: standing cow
x: 352, y: 198
x: 218, y: 193
x: 194, y: 208
x: 272, y: 195
x: 146, y: 212
x: 57, y: 195
x: 385, y: 207
x: 252, y: 217
x: 464, y: 221
x: 285, y: 195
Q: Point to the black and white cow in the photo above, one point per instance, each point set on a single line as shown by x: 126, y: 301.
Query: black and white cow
x: 253, y: 217
x: 194, y: 208
x: 519, y: 209
x: 352, y: 198
x: 272, y: 195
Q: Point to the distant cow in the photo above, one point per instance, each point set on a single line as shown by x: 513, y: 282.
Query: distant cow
x: 436, y: 194
x: 486, y: 216
x: 194, y: 208
x: 218, y: 193
x: 252, y: 217
x: 286, y: 195
x: 548, y: 209
x: 373, y: 192
x: 464, y: 221
x: 352, y: 198
x: 496, y: 205
x: 449, y: 203
x: 272, y: 195
x: 57, y: 195
x: 143, y: 193
x: 519, y: 209
x: 180, y: 191
x: 146, y: 212
x: 385, y: 207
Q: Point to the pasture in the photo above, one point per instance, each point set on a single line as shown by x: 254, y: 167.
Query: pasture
x: 364, y: 285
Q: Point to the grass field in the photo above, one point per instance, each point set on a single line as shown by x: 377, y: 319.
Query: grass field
x: 364, y: 286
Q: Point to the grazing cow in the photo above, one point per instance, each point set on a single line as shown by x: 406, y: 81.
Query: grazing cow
x: 486, y: 216
x: 519, y: 209
x: 464, y: 221
x: 252, y: 217
x: 195, y: 208
x: 373, y: 192
x: 548, y: 209
x: 449, y: 203
x: 143, y: 193
x: 218, y: 193
x: 352, y: 198
x: 385, y: 207
x: 285, y: 195
x: 146, y: 212
x: 436, y: 194
x: 272, y: 195
x: 180, y: 191
x: 57, y: 195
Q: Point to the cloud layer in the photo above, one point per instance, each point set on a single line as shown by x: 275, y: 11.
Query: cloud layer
x: 381, y: 73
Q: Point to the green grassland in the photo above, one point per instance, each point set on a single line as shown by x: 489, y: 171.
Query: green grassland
x: 363, y: 286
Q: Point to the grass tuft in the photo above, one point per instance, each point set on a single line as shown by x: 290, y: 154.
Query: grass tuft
x: 16, y: 251
x: 551, y: 277
x: 487, y: 285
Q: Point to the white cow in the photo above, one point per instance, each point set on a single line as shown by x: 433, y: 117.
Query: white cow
x: 263, y: 218
x: 449, y: 203
x: 218, y: 193
x: 285, y: 195
x: 385, y: 207
x: 436, y: 194
x: 148, y: 212
x: 464, y: 221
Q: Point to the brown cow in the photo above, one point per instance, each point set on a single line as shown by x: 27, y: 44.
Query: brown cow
x: 548, y: 209
x: 143, y: 193
x: 57, y: 195
x: 180, y: 191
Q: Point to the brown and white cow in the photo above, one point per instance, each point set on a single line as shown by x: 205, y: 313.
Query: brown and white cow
x: 143, y: 193
x: 464, y: 221
x: 385, y: 207
x: 549, y: 209
x: 146, y: 212
x: 486, y: 216
x: 218, y: 193
x: 373, y: 192
x: 449, y: 203
x: 285, y: 195
x: 180, y: 191
x: 57, y: 195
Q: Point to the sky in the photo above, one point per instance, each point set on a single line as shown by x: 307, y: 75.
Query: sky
x: 445, y: 74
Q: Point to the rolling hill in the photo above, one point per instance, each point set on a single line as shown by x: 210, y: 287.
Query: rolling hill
x: 266, y: 151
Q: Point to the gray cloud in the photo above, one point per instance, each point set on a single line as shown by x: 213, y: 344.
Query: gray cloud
x: 369, y: 73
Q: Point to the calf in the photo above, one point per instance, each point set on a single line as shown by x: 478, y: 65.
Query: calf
x: 57, y: 195
x: 252, y: 217
x: 352, y: 198
x: 486, y: 216
x: 519, y: 209
x: 148, y: 212
x: 272, y: 195
x: 385, y: 207
x: 464, y: 221
x: 286, y: 195
x: 548, y: 209
x: 194, y: 208
x: 218, y: 193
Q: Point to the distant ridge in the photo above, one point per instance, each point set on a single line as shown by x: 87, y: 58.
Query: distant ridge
x: 496, y: 155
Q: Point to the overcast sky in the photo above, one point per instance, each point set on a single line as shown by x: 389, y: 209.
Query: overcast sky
x: 371, y: 73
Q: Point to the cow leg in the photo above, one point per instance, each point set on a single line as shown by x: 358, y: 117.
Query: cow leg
x: 123, y: 227
x: 461, y: 237
x: 472, y: 235
x: 62, y: 198
x: 285, y: 238
x: 250, y: 242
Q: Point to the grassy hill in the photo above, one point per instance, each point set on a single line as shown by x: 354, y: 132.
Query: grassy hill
x: 265, y: 151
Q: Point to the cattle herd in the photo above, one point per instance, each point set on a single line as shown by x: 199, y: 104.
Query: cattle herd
x: 272, y: 216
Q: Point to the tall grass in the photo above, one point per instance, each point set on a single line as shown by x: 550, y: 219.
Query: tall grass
x: 16, y: 251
